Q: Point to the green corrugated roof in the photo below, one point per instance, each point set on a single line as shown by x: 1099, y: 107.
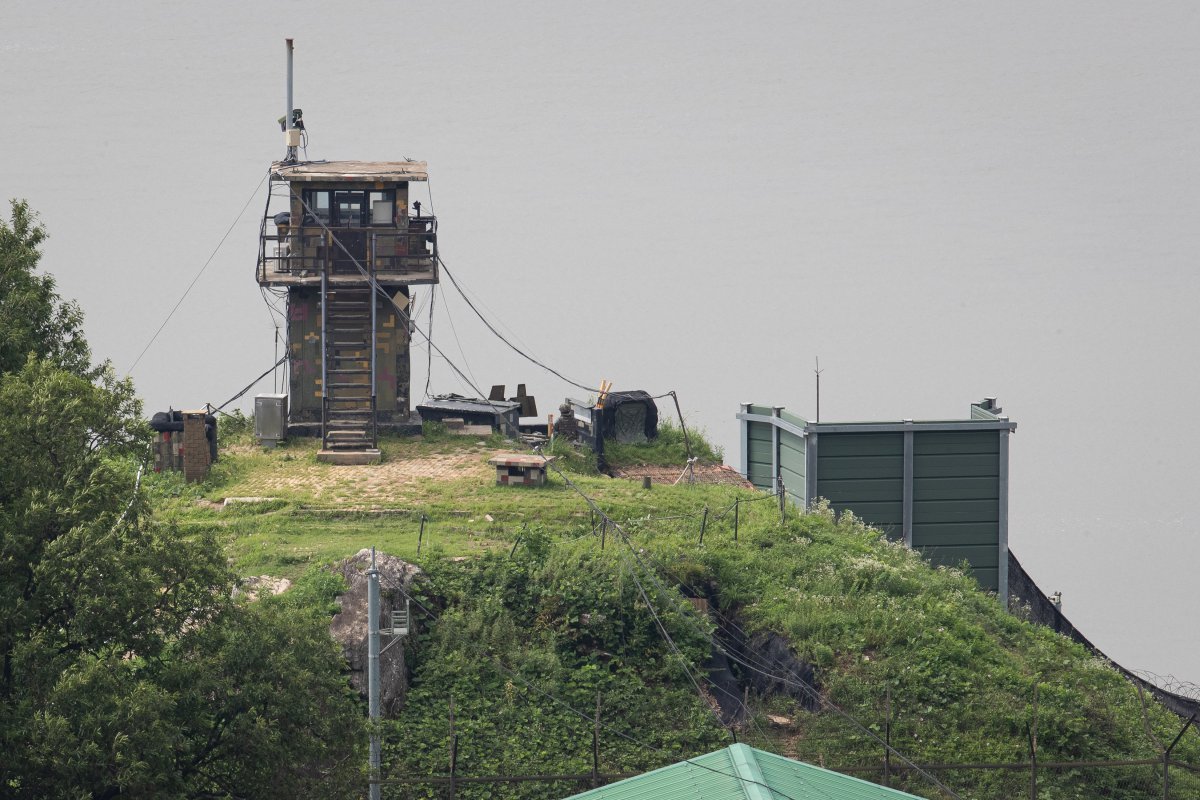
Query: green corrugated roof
x: 740, y: 772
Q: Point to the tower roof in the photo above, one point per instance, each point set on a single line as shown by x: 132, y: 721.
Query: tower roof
x: 351, y: 171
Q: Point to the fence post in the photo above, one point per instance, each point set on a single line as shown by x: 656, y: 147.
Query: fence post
x: 887, y: 738
x: 1167, y: 758
x: 453, y: 749
x: 596, y: 745
x: 782, y: 503
x: 703, y: 524
x: 1032, y: 729
x: 421, y: 533
x: 737, y: 501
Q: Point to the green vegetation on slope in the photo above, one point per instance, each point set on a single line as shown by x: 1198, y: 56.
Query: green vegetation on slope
x: 560, y: 616
x: 128, y: 669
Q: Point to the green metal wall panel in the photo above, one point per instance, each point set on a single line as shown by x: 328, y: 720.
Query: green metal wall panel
x: 761, y: 451
x: 955, y: 489
x: 944, y: 442
x: 988, y: 578
x: 792, y: 418
x: 956, y: 511
x: 843, y: 461
x: 951, y: 465
x: 954, y: 533
x: 835, y: 445
x: 793, y: 457
x: 761, y: 432
x: 864, y: 491
x: 982, y: 556
x: 956, y: 500
x: 865, y: 467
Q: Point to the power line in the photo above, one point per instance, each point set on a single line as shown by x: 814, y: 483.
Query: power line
x: 502, y: 338
x: 376, y: 288
x: 588, y: 717
x: 198, y: 274
x: 798, y: 682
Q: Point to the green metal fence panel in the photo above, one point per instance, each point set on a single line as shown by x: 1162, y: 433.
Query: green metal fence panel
x: 955, y: 488
x: 946, y: 442
x: 842, y: 461
x: 761, y: 451
x: 979, y: 556
x: 760, y: 456
x: 956, y: 511
x: 863, y: 491
x: 862, y: 467
x: 954, y: 533
x: 956, y: 500
x: 951, y: 465
x: 837, y: 445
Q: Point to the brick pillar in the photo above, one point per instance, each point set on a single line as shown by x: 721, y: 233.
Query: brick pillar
x: 195, y: 446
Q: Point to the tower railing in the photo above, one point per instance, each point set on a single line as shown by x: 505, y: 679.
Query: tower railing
x: 396, y: 252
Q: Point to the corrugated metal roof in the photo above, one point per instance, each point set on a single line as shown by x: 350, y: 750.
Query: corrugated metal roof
x: 740, y: 772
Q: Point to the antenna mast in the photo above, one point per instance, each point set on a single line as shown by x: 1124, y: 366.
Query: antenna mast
x: 817, y: 372
x: 291, y: 136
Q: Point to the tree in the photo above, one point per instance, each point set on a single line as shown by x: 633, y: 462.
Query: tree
x: 126, y: 666
x: 33, y: 318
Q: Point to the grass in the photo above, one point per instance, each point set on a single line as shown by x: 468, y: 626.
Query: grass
x: 669, y: 448
x: 873, y: 619
x: 316, y: 513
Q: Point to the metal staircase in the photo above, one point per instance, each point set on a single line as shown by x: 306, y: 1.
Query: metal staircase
x: 348, y: 421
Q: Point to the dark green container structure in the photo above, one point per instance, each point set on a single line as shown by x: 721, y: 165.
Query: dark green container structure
x: 939, y: 486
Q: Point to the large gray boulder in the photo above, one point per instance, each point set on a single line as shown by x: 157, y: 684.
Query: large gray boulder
x: 349, y: 626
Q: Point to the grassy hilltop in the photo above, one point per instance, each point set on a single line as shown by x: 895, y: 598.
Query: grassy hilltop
x: 526, y: 618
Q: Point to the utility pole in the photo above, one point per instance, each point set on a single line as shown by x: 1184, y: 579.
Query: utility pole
x: 398, y: 629
x: 373, y: 672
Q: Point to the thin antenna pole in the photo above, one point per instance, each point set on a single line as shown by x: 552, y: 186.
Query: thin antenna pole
x: 287, y: 120
x: 817, y: 372
x: 373, y: 672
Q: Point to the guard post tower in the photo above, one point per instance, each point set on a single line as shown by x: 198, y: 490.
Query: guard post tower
x: 346, y: 250
x: 344, y: 247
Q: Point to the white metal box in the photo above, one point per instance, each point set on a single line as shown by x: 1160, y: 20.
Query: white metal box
x: 270, y: 417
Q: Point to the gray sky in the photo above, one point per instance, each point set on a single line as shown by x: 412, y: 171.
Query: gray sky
x: 942, y: 201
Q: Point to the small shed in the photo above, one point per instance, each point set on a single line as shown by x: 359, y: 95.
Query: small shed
x: 502, y: 415
x: 740, y: 772
x: 940, y: 486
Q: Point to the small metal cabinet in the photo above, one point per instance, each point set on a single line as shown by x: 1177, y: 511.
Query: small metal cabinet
x: 270, y: 418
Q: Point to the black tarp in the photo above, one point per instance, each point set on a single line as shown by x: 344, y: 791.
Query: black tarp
x: 630, y: 417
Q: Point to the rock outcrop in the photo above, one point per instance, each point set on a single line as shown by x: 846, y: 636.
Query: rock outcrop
x: 349, y: 626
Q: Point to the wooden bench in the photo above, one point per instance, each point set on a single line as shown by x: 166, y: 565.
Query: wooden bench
x: 519, y: 469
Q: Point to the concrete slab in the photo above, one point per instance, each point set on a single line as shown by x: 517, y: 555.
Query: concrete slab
x: 349, y: 456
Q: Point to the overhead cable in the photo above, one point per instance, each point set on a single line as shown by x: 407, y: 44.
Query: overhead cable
x: 502, y: 338
x: 183, y: 297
